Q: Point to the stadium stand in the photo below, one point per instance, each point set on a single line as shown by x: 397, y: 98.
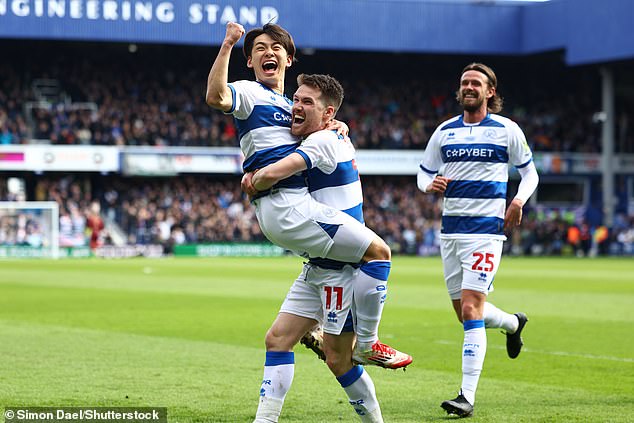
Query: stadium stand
x: 211, y: 209
x: 71, y: 93
x: 154, y: 97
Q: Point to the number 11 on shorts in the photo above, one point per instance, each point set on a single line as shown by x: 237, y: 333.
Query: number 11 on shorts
x: 338, y: 292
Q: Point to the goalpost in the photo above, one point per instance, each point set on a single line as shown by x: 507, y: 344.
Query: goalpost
x: 29, y: 229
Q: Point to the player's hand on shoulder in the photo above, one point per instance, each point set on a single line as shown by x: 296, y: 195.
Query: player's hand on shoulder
x: 235, y: 31
x: 247, y: 184
x: 339, y: 126
x: 438, y: 185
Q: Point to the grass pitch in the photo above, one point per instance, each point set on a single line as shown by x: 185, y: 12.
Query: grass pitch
x: 187, y: 334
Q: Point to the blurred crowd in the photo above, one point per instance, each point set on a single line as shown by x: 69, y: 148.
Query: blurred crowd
x: 105, y: 94
x: 156, y: 98
x: 195, y: 209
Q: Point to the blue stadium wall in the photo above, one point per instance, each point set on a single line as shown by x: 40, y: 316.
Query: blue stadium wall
x: 589, y: 31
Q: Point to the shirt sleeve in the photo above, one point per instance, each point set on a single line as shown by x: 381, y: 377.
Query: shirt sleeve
x: 243, y: 97
x: 432, y: 157
x: 520, y: 153
x: 529, y: 182
x: 320, y: 151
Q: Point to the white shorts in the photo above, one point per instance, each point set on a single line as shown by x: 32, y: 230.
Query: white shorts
x: 324, y: 295
x: 292, y: 219
x: 470, y: 264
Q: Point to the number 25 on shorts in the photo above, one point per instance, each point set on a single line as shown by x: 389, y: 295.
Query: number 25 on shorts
x: 488, y: 263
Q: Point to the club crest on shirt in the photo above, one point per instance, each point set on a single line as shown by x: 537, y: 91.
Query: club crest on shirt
x: 490, y: 133
x: 328, y: 212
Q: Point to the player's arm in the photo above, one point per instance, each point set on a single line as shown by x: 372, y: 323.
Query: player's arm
x: 219, y: 95
x: 527, y: 186
x: 427, y: 178
x: 428, y: 183
x: 269, y: 175
x: 520, y: 155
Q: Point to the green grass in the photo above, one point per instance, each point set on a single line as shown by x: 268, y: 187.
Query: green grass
x: 187, y: 334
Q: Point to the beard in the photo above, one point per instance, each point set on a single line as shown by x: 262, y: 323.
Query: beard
x: 470, y: 107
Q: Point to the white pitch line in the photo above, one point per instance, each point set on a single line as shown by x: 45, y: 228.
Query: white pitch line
x: 559, y: 353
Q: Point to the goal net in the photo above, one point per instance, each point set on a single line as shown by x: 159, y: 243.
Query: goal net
x: 29, y: 229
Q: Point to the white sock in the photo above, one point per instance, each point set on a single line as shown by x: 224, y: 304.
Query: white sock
x: 269, y: 410
x: 279, y: 368
x: 370, y: 290
x: 496, y: 318
x: 361, y: 394
x: 473, y: 353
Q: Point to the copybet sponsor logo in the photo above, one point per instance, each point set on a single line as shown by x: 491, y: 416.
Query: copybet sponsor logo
x: 469, y: 152
x: 282, y: 117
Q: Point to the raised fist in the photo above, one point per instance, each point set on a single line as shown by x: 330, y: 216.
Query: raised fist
x: 235, y: 31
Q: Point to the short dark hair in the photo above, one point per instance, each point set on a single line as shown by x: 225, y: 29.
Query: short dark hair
x: 331, y: 89
x: 494, y: 104
x: 276, y: 32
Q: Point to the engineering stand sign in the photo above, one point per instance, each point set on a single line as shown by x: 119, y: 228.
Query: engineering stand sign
x: 426, y: 26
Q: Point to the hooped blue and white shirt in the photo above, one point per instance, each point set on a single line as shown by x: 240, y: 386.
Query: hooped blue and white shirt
x: 333, y: 178
x: 476, y: 158
x: 263, y: 120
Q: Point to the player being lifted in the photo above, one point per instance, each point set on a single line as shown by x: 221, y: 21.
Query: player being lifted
x: 475, y: 149
x: 323, y: 292
x: 287, y: 214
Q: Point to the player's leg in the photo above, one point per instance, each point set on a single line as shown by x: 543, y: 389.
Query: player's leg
x: 354, y: 380
x: 470, y: 306
x: 370, y: 288
x: 336, y: 302
x: 297, y: 222
x: 370, y: 291
x: 279, y: 365
x: 300, y: 311
x: 313, y: 229
x: 453, y: 272
x: 478, y: 261
x: 336, y: 297
x: 343, y: 238
x: 338, y: 350
x: 495, y: 318
x: 513, y: 324
x: 475, y: 342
